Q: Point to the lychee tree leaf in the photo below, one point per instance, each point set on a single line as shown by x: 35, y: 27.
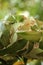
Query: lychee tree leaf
x: 34, y: 54
x: 30, y: 35
x: 34, y: 62
x: 18, y: 45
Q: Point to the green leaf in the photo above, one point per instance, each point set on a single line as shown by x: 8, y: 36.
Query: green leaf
x: 30, y: 35
x: 34, y: 62
x: 41, y: 45
x: 18, y: 45
x: 13, y: 39
x: 33, y: 54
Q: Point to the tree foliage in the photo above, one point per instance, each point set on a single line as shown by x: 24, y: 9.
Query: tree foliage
x: 21, y: 31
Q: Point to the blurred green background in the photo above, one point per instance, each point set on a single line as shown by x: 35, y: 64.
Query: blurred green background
x: 35, y: 7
